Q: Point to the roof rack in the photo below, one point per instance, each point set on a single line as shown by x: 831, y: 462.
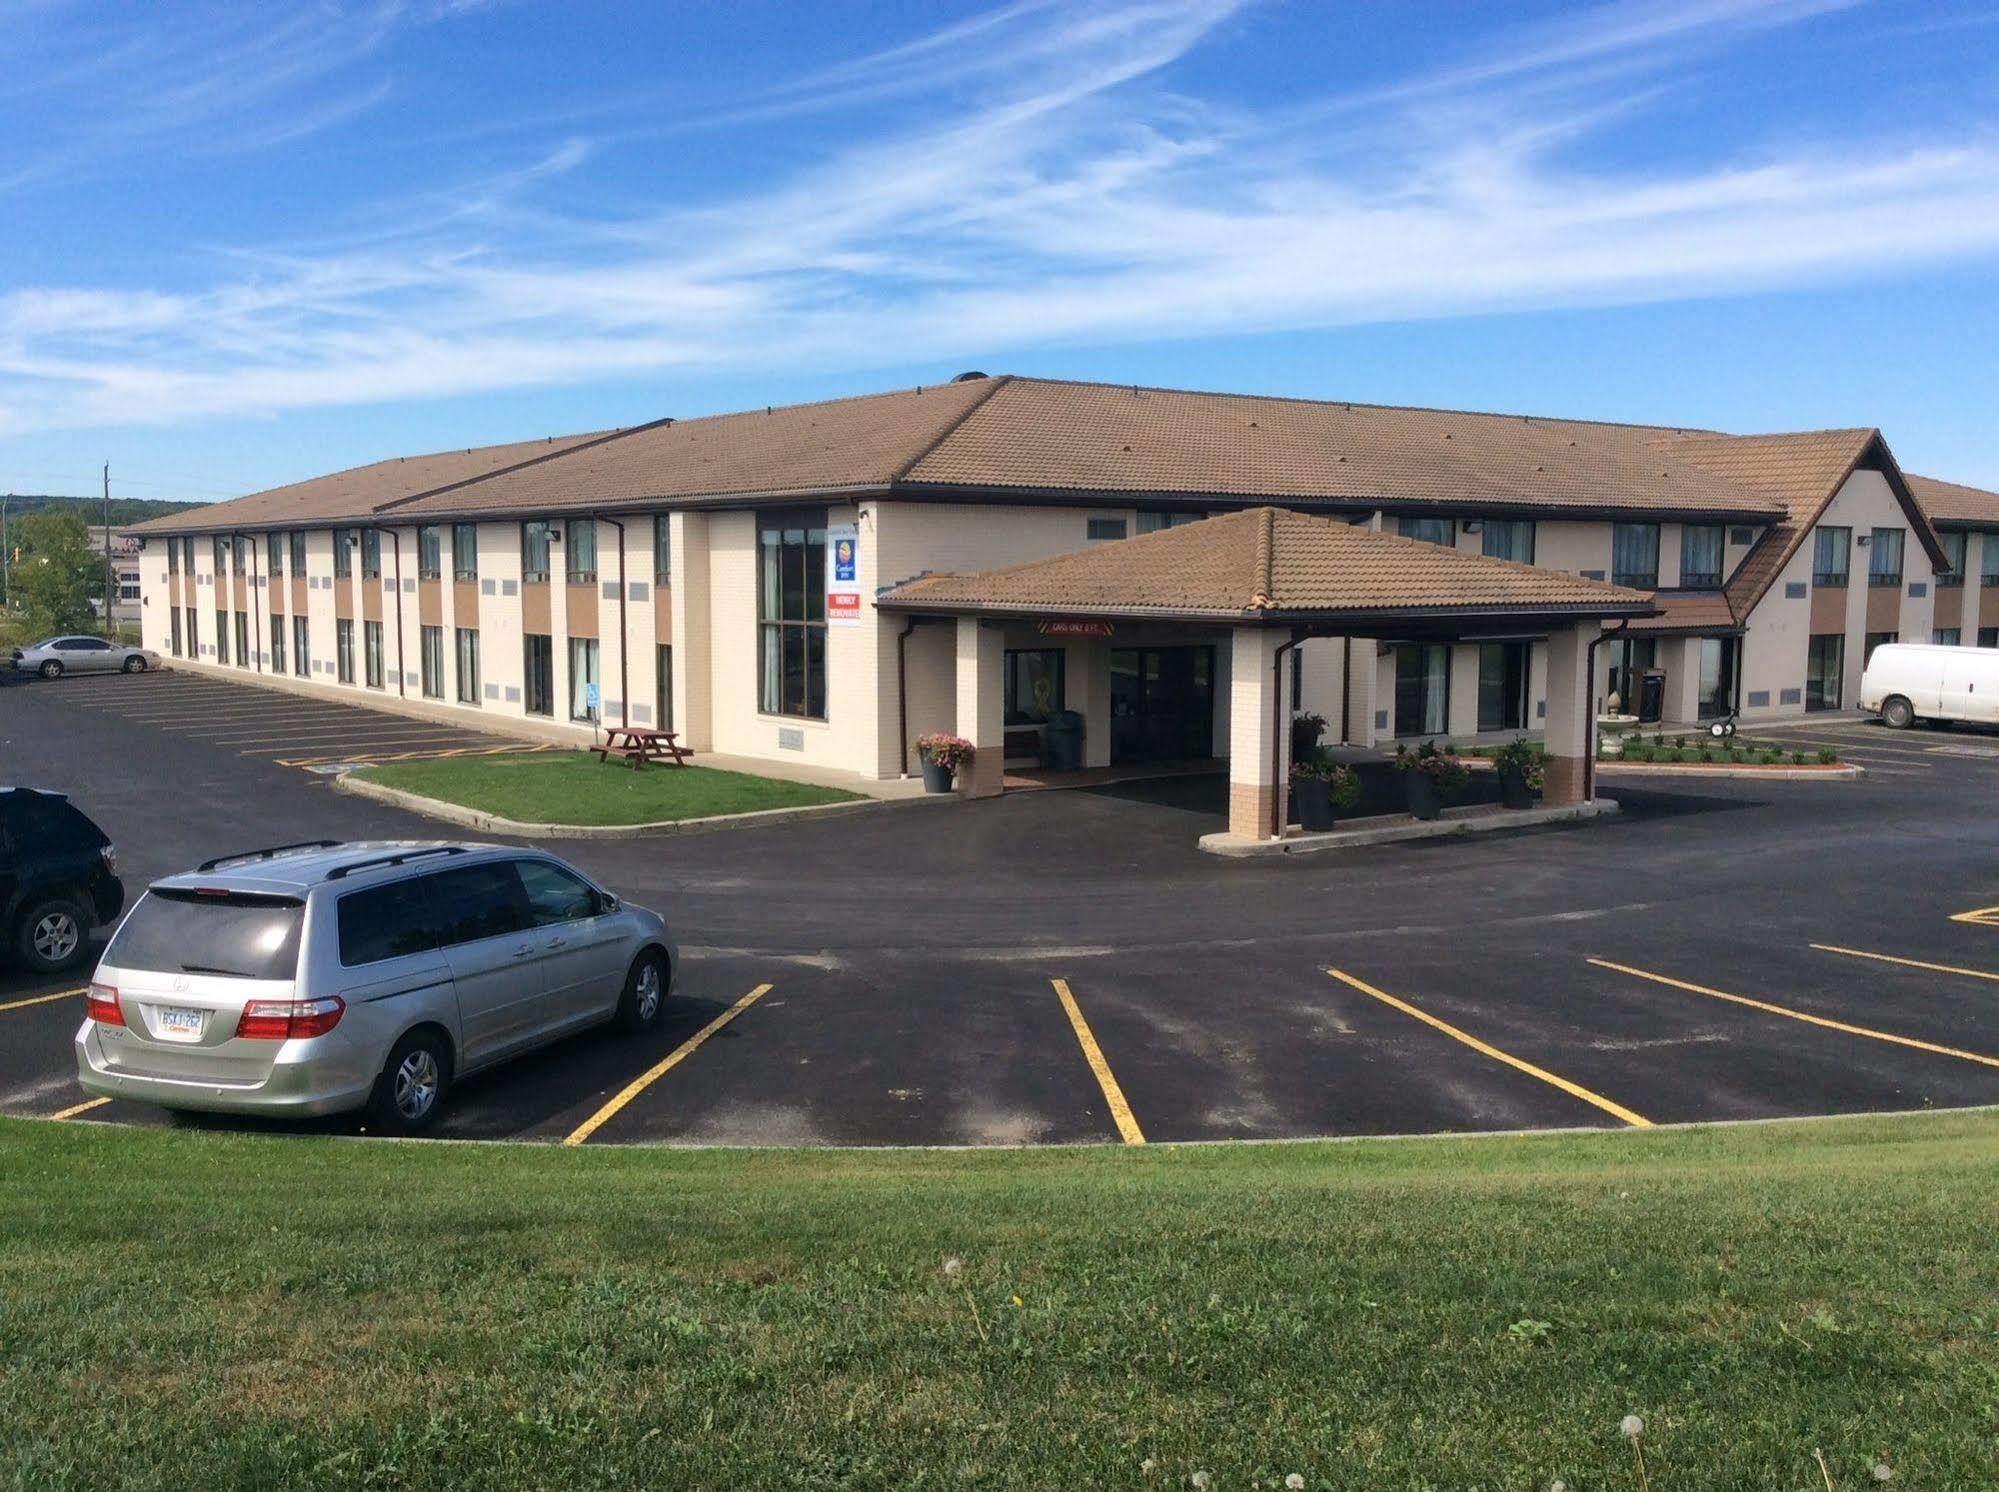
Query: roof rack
x: 341, y: 872
x: 277, y: 849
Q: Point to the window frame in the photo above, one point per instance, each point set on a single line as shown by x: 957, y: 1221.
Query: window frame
x: 1884, y: 541
x: 430, y: 671
x: 344, y: 541
x: 297, y: 545
x: 429, y: 551
x: 1491, y: 526
x: 274, y: 554
x: 777, y: 632
x: 581, y: 678
x: 468, y: 532
x: 278, y: 644
x: 372, y: 660
x: 662, y: 549
x: 572, y: 549
x: 459, y: 652
x: 301, y: 652
x: 1816, y: 677
x: 343, y: 649
x: 1443, y: 532
x: 1821, y: 576
x: 1642, y: 580
x: 371, y: 554
x: 1011, y: 661
x: 1703, y: 580
x: 534, y: 533
x: 1105, y: 530
x: 1953, y: 575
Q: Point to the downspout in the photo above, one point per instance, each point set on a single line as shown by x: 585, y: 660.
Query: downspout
x: 1589, y: 752
x: 1280, y: 744
x: 902, y: 690
x: 624, y: 632
x: 1346, y: 691
x: 256, y: 621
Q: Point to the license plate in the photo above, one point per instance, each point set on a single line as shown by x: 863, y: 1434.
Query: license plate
x: 177, y: 1020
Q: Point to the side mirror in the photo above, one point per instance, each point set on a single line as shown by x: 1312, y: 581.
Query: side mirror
x: 606, y: 903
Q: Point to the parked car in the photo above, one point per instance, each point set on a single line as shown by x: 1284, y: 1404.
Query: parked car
x: 326, y: 977
x: 58, y: 879
x: 53, y: 657
x: 1909, y: 681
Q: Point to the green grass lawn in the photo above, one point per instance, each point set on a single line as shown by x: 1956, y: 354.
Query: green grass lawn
x: 214, y: 1310
x: 575, y: 788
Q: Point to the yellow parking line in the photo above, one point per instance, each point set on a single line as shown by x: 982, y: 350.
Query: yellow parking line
x: 1799, y: 1015
x: 1574, y: 1090
x: 1982, y: 916
x: 665, y: 1065
x: 61, y: 994
x: 1913, y: 963
x: 82, y: 1108
x: 1121, y: 1115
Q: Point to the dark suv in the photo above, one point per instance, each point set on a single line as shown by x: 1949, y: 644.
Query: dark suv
x: 57, y: 879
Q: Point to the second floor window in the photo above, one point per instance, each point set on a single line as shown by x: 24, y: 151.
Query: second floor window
x: 371, y: 554
x: 221, y: 555
x: 1884, y: 557
x: 1953, y: 548
x: 465, y: 551
x: 173, y: 563
x: 1634, y: 554
x: 1829, y: 554
x: 1988, y: 566
x: 662, y: 550
x: 298, y: 555
x: 1508, y: 539
x: 239, y: 555
x: 1700, y: 556
x: 1442, y: 531
x: 582, y: 542
x: 274, y: 551
x: 343, y: 553
x: 429, y: 552
x: 534, y: 551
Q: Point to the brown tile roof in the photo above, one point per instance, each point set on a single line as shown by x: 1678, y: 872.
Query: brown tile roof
x: 1954, y: 504
x: 1048, y: 435
x: 1266, y: 564
x: 358, y: 491
x: 1688, y: 611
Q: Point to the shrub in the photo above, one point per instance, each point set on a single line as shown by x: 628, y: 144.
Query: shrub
x: 1321, y: 766
x: 1827, y: 756
x: 949, y: 752
x: 1767, y: 757
x: 1441, y: 767
x: 1797, y: 758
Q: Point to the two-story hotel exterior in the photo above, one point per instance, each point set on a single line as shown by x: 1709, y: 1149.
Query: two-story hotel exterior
x: 746, y: 578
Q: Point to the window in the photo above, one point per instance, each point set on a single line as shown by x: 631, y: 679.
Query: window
x: 1717, y: 677
x: 538, y: 674
x: 1884, y: 557
x: 187, y: 554
x: 534, y: 551
x: 662, y: 682
x: 1508, y: 539
x: 1502, y: 686
x: 1988, y: 637
x: 1875, y: 640
x: 343, y: 553
x: 478, y: 901
x: 1634, y: 554
x: 343, y: 649
x: 1953, y: 548
x: 791, y: 612
x: 1151, y: 520
x: 301, y: 655
x: 554, y: 894
x: 1829, y: 555
x: 238, y: 935
x: 1099, y: 530
x: 584, y: 699
x: 1422, y: 684
x: 242, y: 639
x: 371, y: 554
x: 239, y: 554
x: 1700, y: 556
x: 1988, y: 564
x: 1946, y: 637
x: 429, y: 552
x: 1825, y: 670
x: 468, y: 666
x: 662, y: 549
x: 431, y: 641
x: 1442, y: 531
x: 298, y: 554
x: 277, y: 643
x: 221, y: 635
x: 221, y: 555
x: 1034, y: 685
x: 385, y: 922
x: 465, y: 551
x: 193, y: 633
x: 582, y: 541
x: 274, y: 555
x: 173, y: 556
x: 173, y: 637
x: 371, y: 642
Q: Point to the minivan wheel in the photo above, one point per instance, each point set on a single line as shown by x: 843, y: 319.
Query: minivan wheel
x: 51, y: 669
x: 409, y: 1093
x: 1897, y: 713
x: 51, y: 935
x: 645, y: 993
x: 135, y: 664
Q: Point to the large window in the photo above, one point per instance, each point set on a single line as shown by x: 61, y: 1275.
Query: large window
x: 465, y: 551
x: 343, y: 553
x: 1953, y: 547
x: 1430, y: 530
x: 1875, y: 640
x: 1634, y: 554
x: 221, y: 635
x: 242, y: 639
x: 277, y: 643
x: 1825, y: 669
x: 582, y: 549
x: 584, y: 701
x: 1422, y: 689
x: 791, y: 612
x: 1629, y: 659
x: 239, y: 555
x: 1151, y: 520
x: 173, y: 556
x: 468, y: 665
x: 1988, y: 564
x: 187, y: 553
x: 432, y: 664
x: 534, y: 551
x: 429, y: 552
x: 371, y: 554
x: 298, y: 554
x: 538, y: 673
x: 274, y: 555
x: 221, y: 546
x: 343, y: 649
x: 662, y: 684
x: 173, y: 640
x: 1884, y: 557
x: 1508, y: 539
x: 1502, y: 686
x: 301, y: 654
x: 662, y: 549
x: 193, y: 632
x: 1035, y: 685
x: 1717, y: 676
x: 371, y: 639
x: 1946, y: 637
x: 1988, y: 637
x: 1700, y: 556
x: 1830, y: 544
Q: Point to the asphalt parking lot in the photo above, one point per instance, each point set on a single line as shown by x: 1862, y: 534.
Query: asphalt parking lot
x: 1067, y: 967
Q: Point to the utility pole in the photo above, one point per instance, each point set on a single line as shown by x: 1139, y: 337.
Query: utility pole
x: 107, y: 551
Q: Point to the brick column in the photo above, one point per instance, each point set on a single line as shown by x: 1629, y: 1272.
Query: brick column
x: 981, y: 707
x: 1571, y: 723
x: 1255, y: 791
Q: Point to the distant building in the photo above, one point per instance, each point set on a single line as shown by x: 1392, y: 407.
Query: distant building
x: 125, y: 600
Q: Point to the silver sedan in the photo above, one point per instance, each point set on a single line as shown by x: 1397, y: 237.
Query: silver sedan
x: 53, y: 657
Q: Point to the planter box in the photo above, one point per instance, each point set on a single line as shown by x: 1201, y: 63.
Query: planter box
x: 1513, y: 789
x: 936, y: 778
x: 1425, y: 800
x: 1314, y: 801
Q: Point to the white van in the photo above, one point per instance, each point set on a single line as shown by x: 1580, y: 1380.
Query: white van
x: 1907, y: 681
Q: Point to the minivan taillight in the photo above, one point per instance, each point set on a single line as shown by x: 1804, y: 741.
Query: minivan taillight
x: 100, y: 1004
x: 285, y: 1020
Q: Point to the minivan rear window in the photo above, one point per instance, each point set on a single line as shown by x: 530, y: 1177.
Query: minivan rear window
x: 231, y: 934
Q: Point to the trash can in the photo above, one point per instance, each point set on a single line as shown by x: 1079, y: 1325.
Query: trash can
x: 1651, y: 696
x: 1062, y: 741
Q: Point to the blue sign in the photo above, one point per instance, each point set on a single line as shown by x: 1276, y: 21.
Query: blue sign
x: 843, y: 559
x: 590, y: 696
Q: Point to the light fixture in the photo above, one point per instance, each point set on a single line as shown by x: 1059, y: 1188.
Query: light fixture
x: 1472, y: 525
x: 1863, y: 540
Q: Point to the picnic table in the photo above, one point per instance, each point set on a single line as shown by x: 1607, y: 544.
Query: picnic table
x: 638, y: 745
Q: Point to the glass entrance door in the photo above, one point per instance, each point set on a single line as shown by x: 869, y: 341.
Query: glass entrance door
x: 1162, y: 703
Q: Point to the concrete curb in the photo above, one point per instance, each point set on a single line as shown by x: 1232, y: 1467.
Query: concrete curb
x: 1812, y: 772
x: 474, y: 818
x: 1475, y: 821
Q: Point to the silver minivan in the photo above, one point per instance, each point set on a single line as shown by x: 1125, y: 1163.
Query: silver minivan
x: 325, y: 977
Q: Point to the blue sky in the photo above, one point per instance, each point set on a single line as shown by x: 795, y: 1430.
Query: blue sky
x: 248, y: 244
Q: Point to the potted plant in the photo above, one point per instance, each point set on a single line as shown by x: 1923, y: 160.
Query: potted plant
x: 1322, y: 788
x: 942, y: 756
x: 1306, y: 730
x: 1522, y: 767
x: 1427, y: 776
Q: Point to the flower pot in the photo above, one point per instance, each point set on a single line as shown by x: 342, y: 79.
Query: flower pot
x: 1313, y: 798
x: 936, y: 777
x: 1425, y: 801
x: 1513, y: 789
